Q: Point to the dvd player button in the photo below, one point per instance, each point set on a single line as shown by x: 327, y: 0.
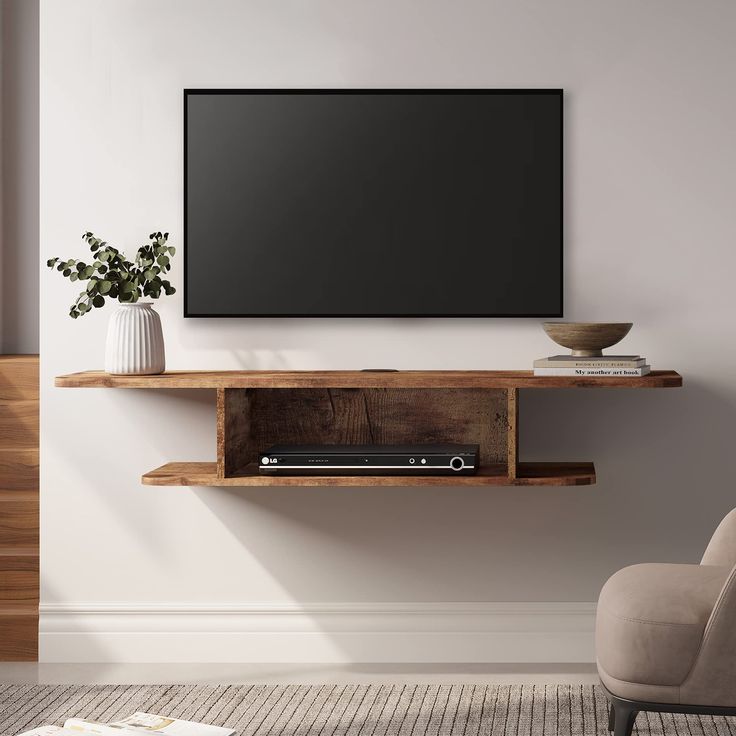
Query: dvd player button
x: 411, y: 461
x: 424, y: 461
x: 264, y: 460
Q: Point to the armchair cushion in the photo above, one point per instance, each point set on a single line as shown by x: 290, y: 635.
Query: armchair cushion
x: 651, y: 619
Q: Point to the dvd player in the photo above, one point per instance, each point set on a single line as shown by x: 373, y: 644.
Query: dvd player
x: 445, y: 459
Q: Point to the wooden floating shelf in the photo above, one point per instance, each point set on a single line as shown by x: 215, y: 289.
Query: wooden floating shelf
x: 529, y: 474
x: 360, y: 379
x: 257, y: 409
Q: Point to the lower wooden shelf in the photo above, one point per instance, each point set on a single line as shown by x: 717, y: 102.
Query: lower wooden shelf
x: 529, y: 474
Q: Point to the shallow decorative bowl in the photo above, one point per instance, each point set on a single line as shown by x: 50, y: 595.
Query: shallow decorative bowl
x: 587, y: 339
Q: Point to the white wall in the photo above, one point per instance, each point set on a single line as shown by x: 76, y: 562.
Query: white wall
x: 650, y: 232
x: 19, y: 180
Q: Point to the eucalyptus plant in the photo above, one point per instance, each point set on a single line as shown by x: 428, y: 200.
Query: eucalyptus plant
x: 112, y: 276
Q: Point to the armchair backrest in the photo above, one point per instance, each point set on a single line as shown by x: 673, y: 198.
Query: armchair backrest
x: 712, y: 678
x: 721, y: 549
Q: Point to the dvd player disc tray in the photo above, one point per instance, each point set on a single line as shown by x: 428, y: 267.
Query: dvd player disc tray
x: 445, y: 459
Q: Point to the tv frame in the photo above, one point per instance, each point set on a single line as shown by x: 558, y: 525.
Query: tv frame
x: 558, y: 92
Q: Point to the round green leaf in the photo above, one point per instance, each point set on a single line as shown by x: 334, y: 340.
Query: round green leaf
x: 99, y: 301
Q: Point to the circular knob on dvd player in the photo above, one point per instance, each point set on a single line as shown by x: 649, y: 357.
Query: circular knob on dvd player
x: 264, y: 460
x: 457, y: 463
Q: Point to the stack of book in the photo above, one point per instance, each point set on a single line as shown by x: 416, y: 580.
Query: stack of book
x: 619, y: 366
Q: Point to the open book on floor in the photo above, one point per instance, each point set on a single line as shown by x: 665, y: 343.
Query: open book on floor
x: 135, y: 725
x: 148, y: 723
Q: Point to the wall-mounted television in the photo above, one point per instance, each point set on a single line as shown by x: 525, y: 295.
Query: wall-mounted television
x: 373, y: 202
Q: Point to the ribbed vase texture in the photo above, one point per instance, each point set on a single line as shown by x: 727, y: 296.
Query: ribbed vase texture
x: 135, y: 341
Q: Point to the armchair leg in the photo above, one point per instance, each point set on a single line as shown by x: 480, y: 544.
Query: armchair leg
x: 622, y: 713
x: 621, y: 717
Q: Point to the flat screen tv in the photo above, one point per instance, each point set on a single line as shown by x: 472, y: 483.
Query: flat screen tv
x: 373, y: 203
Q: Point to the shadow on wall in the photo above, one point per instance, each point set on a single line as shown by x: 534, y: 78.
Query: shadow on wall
x: 658, y: 455
x: 656, y: 452
x: 284, y: 343
x: 19, y: 251
x: 130, y: 409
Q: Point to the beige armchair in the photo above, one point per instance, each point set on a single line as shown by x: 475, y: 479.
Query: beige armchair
x: 666, y: 635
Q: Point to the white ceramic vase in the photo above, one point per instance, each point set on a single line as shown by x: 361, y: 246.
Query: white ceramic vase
x: 135, y: 341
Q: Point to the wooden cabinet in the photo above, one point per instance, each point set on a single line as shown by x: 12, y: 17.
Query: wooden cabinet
x: 19, y: 573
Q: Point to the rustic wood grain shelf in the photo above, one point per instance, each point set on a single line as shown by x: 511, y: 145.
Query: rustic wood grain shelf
x: 256, y: 409
x: 529, y: 474
x: 360, y: 379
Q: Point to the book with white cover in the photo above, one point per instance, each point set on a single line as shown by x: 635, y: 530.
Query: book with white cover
x: 80, y: 727
x: 594, y: 372
x: 51, y: 731
x: 607, y: 361
x: 147, y: 723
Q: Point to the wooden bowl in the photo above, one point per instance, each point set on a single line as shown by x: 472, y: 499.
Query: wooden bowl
x: 587, y: 339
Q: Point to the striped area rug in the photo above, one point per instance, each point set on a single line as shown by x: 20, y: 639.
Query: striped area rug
x: 347, y: 710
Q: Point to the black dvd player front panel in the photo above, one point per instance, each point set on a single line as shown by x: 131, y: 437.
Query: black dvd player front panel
x: 447, y: 459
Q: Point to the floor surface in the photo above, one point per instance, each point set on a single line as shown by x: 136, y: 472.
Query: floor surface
x: 348, y: 709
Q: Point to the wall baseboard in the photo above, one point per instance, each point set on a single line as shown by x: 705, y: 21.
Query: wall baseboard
x: 327, y: 633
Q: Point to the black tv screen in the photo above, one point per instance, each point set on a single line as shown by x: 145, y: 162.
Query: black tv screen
x: 373, y: 203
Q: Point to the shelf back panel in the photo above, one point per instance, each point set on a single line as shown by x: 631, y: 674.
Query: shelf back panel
x: 251, y: 420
